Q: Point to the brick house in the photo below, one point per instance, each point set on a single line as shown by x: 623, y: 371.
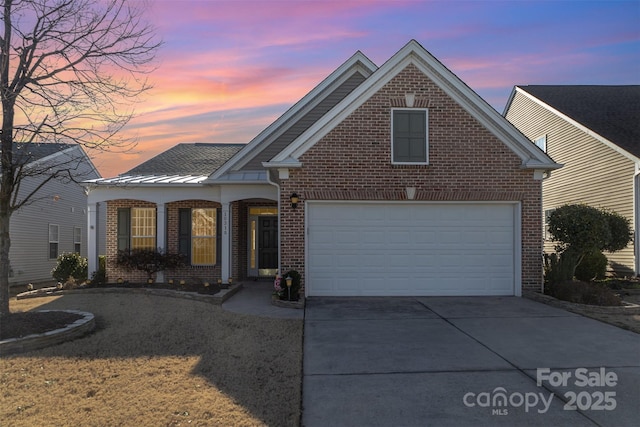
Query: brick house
x: 390, y: 180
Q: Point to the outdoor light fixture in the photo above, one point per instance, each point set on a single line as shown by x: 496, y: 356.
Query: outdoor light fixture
x: 289, y: 281
x: 294, y: 200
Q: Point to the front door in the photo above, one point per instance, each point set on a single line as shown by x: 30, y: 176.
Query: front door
x: 267, y: 245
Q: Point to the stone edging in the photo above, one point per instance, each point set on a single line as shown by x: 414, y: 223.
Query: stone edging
x: 215, y: 299
x: 581, y: 308
x: 37, y: 341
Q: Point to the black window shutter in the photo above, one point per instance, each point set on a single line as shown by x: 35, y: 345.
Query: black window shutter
x: 184, y: 233
x: 124, y: 229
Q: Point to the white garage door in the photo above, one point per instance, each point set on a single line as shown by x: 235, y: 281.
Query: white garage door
x: 377, y: 249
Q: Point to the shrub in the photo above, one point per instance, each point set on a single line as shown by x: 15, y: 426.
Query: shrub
x: 99, y: 277
x: 558, y: 268
x: 149, y: 260
x: 586, y: 230
x: 621, y: 233
x: 70, y: 265
x: 295, y: 285
x: 593, y: 266
x: 585, y: 293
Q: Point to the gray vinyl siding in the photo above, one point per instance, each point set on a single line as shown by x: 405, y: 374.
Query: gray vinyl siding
x: 29, y: 254
x: 297, y: 128
x: 593, y: 173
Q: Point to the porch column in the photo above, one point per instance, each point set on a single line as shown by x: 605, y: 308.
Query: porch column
x: 92, y: 238
x: 161, y: 239
x: 226, y: 243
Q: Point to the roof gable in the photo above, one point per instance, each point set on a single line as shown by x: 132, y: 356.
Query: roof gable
x: 414, y: 53
x: 30, y: 153
x: 611, y: 112
x: 301, y: 115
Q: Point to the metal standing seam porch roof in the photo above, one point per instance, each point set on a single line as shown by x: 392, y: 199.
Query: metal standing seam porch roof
x: 181, y: 164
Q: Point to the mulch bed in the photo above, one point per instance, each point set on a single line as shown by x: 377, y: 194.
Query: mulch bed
x: 18, y: 325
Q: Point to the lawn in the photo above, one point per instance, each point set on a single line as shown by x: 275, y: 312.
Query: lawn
x: 157, y: 361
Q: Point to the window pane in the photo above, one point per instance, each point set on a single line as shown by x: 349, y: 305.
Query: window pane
x: 53, y: 250
x: 263, y: 211
x: 53, y: 233
x: 541, y: 142
x: 143, y: 228
x: 410, y: 136
x: 203, y: 251
x: 203, y: 236
x: 203, y: 222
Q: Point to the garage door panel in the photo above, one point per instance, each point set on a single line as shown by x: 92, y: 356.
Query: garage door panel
x: 410, y: 249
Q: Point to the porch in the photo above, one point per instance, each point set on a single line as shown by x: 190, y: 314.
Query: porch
x: 226, y: 232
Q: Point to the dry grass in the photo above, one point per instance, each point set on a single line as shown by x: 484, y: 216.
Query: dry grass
x: 157, y: 361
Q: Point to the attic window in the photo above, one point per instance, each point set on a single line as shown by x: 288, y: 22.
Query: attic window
x: 409, y: 142
x: 541, y: 142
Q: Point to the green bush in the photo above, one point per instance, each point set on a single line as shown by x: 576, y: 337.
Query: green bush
x: 295, y: 285
x: 71, y: 265
x: 585, y: 230
x: 558, y: 268
x: 593, y: 266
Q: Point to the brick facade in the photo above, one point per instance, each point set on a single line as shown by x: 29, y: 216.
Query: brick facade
x: 466, y: 163
x: 192, y: 273
x: 239, y: 245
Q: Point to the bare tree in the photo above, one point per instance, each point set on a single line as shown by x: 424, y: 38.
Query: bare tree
x: 70, y: 71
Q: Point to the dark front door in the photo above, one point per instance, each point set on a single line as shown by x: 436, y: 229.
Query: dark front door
x: 267, y: 242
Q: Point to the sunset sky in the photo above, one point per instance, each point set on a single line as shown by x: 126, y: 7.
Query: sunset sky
x: 227, y: 69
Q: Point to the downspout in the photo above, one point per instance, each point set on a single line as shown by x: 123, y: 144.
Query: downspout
x: 279, y: 216
x: 636, y: 220
x: 546, y: 175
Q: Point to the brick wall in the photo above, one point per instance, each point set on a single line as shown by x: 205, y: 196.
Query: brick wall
x: 466, y: 163
x: 193, y: 273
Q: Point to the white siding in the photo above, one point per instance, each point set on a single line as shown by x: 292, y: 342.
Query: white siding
x: 593, y: 173
x: 29, y: 253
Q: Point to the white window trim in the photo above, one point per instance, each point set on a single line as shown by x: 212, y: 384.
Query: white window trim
x: 426, y: 123
x: 543, y: 139
x: 77, y: 238
x: 56, y: 240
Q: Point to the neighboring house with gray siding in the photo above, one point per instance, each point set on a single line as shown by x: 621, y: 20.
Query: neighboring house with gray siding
x: 55, y: 221
x: 595, y: 132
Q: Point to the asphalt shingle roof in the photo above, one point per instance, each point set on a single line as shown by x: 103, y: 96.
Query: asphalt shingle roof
x: 30, y: 152
x: 187, y: 159
x: 610, y: 111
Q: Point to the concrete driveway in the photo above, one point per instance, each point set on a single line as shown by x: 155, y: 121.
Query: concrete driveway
x: 464, y: 361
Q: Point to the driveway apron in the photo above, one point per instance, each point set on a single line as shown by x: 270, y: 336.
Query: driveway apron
x: 464, y: 361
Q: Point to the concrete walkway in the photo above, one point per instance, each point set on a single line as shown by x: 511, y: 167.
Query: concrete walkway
x: 255, y: 299
x: 463, y: 361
